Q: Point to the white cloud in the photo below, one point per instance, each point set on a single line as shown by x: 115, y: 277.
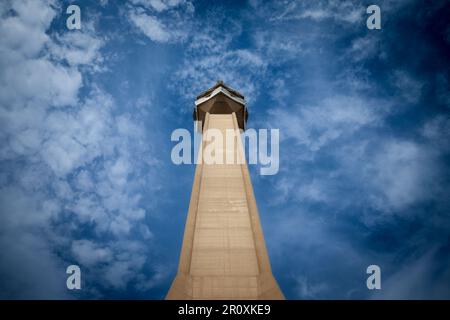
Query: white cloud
x: 23, y: 39
x: 76, y: 138
x: 150, y: 26
x: 67, y: 161
x: 210, y: 58
x: 162, y: 21
x: 391, y: 173
x: 29, y: 268
x: 409, y: 88
x: 437, y: 131
x: 21, y: 33
x: 22, y: 83
x: 416, y: 279
x: 28, y: 258
x: 78, y: 48
x: 341, y: 11
x: 316, y: 126
x: 159, y: 5
x: 365, y: 47
x: 127, y: 264
x: 90, y: 253
x: 306, y: 290
x: 403, y: 172
x: 84, y: 181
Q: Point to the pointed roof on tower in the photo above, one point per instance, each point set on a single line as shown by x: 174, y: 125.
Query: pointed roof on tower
x: 220, y: 87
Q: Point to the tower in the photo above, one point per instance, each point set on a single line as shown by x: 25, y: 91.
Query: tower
x: 223, y: 255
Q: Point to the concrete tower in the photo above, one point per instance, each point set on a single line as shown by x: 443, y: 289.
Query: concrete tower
x: 223, y: 255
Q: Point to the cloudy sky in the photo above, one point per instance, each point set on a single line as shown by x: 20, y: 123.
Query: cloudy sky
x: 86, y: 117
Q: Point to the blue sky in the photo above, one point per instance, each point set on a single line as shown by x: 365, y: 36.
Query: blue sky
x: 86, y: 117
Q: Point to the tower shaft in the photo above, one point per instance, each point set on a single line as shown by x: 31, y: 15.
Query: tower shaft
x: 223, y: 254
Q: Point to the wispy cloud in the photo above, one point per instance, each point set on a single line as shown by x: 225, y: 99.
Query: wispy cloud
x: 162, y: 21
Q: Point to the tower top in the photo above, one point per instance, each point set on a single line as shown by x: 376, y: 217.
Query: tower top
x: 220, y: 87
x: 221, y: 99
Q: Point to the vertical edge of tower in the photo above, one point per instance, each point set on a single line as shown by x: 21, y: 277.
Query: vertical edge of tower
x: 182, y: 286
x: 268, y: 288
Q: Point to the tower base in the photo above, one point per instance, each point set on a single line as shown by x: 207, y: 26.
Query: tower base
x: 262, y: 287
